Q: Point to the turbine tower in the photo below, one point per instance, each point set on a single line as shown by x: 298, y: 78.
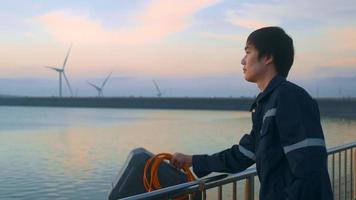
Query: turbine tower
x: 159, y: 93
x: 61, y: 72
x: 100, y: 89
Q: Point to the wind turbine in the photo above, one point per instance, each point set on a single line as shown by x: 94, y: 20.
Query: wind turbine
x: 61, y: 72
x: 159, y: 93
x: 100, y: 89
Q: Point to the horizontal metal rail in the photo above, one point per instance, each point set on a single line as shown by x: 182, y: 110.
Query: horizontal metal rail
x: 339, y: 160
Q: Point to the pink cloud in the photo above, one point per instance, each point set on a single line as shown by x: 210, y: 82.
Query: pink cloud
x: 327, y: 47
x: 344, y: 62
x: 159, y: 20
x: 251, y: 20
x: 237, y: 37
x: 249, y: 23
x: 342, y: 38
x: 252, y: 15
x: 342, y: 44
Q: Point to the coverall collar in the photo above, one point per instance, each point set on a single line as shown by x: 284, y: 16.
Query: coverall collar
x: 276, y: 81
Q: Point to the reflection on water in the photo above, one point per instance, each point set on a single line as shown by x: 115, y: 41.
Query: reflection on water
x: 339, y: 131
x: 76, y: 153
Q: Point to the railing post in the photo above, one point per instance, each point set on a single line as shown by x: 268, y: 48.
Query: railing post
x: 220, y: 192
x: 353, y: 179
x: 249, y: 188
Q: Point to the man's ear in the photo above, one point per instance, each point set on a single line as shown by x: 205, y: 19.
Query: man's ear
x: 268, y: 59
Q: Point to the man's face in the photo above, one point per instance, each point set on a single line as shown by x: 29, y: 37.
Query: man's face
x: 253, y: 68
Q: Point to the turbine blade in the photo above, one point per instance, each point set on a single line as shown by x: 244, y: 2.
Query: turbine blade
x: 107, y: 78
x: 70, y: 89
x: 157, y: 88
x: 96, y: 87
x: 53, y: 68
x: 65, y: 60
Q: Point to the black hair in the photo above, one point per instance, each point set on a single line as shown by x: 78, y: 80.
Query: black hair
x: 273, y: 41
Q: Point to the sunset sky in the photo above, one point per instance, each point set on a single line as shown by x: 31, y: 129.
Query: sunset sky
x: 188, y: 46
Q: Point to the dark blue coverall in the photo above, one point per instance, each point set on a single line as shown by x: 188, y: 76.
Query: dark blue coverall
x: 286, y: 143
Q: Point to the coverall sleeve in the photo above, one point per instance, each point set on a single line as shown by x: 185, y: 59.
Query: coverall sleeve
x: 302, y: 140
x: 232, y: 160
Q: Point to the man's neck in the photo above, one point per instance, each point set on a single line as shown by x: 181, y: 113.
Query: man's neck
x: 263, y: 83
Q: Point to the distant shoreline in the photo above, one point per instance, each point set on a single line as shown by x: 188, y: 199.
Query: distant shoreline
x: 329, y: 107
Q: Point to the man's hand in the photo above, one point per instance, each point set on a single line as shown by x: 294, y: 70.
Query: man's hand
x: 180, y: 160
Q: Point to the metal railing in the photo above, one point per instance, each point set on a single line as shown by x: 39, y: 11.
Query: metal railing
x: 342, y: 171
x: 341, y: 166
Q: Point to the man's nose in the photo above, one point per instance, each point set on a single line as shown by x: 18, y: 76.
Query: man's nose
x: 243, y: 62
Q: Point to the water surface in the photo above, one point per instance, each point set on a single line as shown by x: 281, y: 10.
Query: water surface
x: 75, y: 153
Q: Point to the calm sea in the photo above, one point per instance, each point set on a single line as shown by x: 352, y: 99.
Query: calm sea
x: 75, y: 153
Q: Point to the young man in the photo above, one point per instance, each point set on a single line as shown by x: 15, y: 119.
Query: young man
x: 286, y: 141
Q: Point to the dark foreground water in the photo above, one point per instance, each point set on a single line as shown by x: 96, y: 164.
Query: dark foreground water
x: 74, y: 153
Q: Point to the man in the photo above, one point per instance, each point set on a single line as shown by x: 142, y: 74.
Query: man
x: 286, y: 141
